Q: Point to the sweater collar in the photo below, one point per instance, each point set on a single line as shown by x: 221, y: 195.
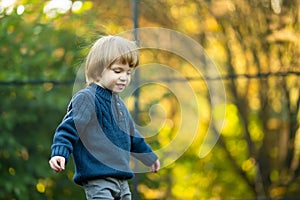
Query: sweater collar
x: 105, y: 93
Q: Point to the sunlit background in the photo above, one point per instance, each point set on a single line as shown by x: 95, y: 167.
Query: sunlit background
x: 254, y: 45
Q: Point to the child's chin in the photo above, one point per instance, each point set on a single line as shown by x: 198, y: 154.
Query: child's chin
x: 119, y: 89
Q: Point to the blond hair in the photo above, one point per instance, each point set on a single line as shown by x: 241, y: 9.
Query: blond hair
x: 106, y: 51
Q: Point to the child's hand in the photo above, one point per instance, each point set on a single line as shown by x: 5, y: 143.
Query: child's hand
x: 57, y: 163
x: 155, y: 166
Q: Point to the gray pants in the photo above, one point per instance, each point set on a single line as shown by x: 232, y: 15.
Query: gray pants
x: 107, y: 188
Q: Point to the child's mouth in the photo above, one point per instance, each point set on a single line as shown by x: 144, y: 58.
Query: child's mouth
x: 121, y: 86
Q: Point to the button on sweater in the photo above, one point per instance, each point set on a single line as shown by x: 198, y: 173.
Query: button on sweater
x: 99, y: 131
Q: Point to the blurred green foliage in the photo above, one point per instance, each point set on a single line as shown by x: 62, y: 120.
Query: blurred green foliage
x: 32, y: 50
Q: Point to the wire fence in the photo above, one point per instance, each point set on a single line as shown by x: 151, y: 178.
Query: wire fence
x: 205, y: 78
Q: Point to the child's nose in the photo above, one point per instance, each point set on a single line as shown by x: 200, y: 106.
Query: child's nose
x: 123, y: 77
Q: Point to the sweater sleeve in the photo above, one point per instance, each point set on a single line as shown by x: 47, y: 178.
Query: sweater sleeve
x: 139, y: 148
x: 74, y: 122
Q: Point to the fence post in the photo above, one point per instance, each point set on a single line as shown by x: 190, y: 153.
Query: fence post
x: 136, y: 94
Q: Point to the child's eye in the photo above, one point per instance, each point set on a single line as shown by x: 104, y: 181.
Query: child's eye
x: 117, y: 71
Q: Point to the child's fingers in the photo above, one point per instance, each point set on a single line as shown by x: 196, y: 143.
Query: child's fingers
x: 155, y: 167
x: 62, y: 163
x: 57, y: 163
x: 53, y: 165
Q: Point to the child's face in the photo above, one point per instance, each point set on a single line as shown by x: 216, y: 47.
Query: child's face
x: 117, y: 77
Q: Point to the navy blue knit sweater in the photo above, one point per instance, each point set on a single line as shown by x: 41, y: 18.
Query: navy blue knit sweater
x: 99, y: 132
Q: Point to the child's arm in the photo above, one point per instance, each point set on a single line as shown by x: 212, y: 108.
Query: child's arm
x: 68, y: 132
x: 142, y: 150
x: 139, y: 148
